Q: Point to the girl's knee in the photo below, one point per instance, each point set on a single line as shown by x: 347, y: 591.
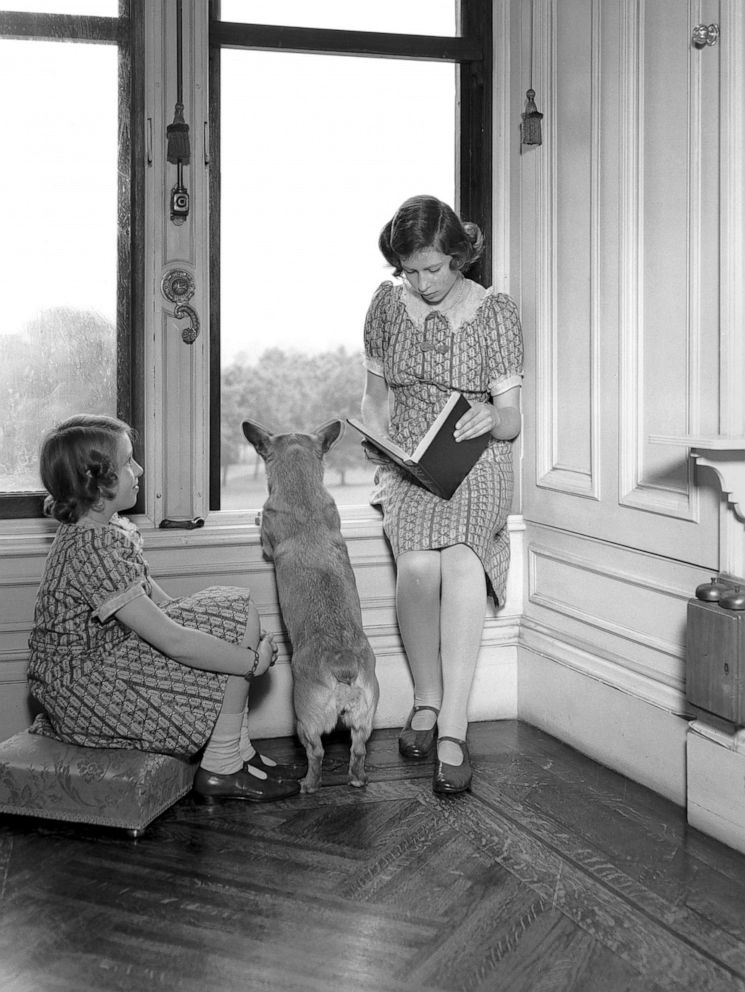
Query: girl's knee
x: 419, y: 568
x: 253, y: 625
x: 460, y: 560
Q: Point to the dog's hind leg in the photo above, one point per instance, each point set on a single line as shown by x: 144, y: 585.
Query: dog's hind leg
x: 315, y: 715
x: 358, y: 717
x: 358, y: 753
x: 314, y: 751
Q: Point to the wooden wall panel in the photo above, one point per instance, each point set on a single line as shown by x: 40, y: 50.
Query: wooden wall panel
x: 624, y: 607
x: 668, y: 349
x: 573, y: 381
x: 617, y: 249
x: 184, y: 562
x: 619, y: 530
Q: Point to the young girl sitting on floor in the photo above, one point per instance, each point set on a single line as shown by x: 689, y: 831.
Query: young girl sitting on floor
x: 115, y: 661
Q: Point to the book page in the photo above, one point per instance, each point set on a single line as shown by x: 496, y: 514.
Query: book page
x: 384, y: 443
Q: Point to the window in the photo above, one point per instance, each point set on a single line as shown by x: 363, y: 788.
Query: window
x: 86, y: 211
x: 312, y: 151
x: 65, y: 252
x: 430, y: 17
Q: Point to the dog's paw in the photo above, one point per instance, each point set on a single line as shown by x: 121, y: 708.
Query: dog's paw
x: 309, y: 786
x: 358, y: 781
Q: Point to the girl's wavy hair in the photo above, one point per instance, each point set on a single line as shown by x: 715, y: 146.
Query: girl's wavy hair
x: 78, y: 464
x: 426, y: 222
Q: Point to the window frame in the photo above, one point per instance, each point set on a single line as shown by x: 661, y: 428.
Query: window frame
x: 471, y: 50
x: 126, y: 32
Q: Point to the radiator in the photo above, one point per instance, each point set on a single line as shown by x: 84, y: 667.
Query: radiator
x: 715, y: 649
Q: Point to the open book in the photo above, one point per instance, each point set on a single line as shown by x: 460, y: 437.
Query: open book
x: 439, y: 462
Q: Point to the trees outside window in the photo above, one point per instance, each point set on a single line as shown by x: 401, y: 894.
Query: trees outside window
x: 64, y: 74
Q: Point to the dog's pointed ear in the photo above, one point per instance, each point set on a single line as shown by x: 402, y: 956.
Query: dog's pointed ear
x: 329, y: 434
x: 257, y: 435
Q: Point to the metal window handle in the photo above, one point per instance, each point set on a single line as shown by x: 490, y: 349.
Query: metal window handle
x: 189, y: 334
x: 705, y: 34
x: 178, y: 287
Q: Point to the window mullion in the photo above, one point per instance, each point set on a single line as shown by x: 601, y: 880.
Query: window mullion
x: 328, y: 41
x: 474, y: 129
x: 176, y: 390
x: 57, y: 27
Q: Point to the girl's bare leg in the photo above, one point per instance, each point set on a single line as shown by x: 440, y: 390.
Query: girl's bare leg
x: 418, y: 611
x: 462, y: 613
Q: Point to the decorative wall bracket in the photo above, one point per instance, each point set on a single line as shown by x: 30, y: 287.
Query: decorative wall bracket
x: 725, y: 455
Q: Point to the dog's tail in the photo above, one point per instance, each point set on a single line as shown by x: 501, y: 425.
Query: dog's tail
x: 343, y: 667
x: 354, y: 706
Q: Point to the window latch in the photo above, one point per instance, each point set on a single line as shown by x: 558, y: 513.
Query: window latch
x: 178, y: 287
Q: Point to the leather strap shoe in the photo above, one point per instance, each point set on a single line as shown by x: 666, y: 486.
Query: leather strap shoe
x: 449, y: 779
x: 209, y: 787
x: 417, y: 744
x: 282, y: 773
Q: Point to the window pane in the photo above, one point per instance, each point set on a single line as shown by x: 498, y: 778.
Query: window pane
x: 92, y: 8
x: 317, y: 153
x: 432, y: 17
x: 58, y: 253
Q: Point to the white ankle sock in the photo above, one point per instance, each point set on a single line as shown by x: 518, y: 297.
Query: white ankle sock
x: 247, y: 748
x: 222, y: 755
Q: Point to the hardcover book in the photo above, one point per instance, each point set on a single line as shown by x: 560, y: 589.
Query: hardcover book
x: 439, y: 462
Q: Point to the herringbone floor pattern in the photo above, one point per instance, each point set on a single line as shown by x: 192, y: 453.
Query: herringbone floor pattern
x: 555, y: 874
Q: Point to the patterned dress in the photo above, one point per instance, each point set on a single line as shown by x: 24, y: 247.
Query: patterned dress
x: 99, y: 683
x: 424, y: 353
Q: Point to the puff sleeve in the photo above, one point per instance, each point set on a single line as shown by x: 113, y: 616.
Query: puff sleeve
x: 110, y: 571
x: 505, y: 344
x: 377, y: 329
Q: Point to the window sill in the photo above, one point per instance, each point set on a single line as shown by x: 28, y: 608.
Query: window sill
x: 34, y: 535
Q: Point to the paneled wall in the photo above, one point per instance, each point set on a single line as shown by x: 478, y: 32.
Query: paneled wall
x: 230, y: 555
x: 624, y: 249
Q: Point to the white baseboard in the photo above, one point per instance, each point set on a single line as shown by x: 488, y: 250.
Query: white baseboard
x: 493, y: 697
x: 716, y: 784
x: 633, y: 725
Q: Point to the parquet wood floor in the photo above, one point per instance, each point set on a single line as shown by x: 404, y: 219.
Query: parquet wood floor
x: 554, y: 875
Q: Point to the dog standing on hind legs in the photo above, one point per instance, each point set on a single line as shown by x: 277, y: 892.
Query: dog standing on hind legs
x: 333, y: 665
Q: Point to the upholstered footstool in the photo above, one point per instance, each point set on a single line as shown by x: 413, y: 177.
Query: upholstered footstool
x: 43, y: 777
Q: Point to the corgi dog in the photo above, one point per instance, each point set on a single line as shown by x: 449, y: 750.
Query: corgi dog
x: 333, y: 665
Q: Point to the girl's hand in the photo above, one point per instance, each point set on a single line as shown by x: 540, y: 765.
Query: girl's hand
x: 374, y: 455
x: 263, y: 656
x: 482, y: 418
x: 267, y: 644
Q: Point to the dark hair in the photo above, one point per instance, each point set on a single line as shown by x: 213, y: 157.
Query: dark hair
x: 78, y: 464
x: 426, y: 222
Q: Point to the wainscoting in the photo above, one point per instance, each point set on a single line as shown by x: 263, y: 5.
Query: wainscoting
x: 222, y: 554
x: 589, y: 646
